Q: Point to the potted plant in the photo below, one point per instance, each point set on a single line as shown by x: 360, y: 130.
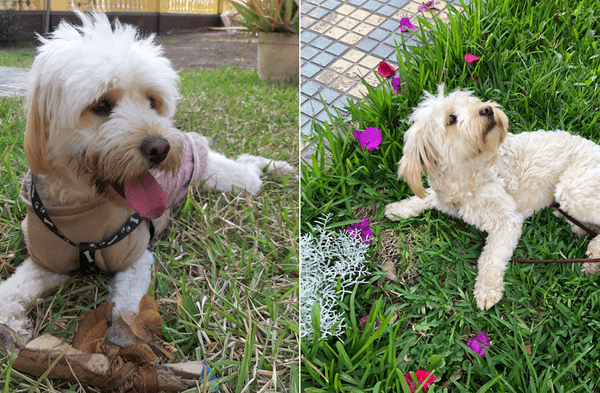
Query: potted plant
x: 278, y: 24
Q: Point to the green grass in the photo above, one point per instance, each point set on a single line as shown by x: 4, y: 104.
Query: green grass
x: 20, y: 58
x: 227, y: 286
x: 539, y: 60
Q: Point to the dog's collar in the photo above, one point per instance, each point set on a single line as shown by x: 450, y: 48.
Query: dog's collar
x: 87, y: 251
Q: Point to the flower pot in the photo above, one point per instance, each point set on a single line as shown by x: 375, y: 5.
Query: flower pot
x: 278, y: 56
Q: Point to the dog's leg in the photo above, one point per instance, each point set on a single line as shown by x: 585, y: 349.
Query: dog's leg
x: 410, y: 207
x: 126, y: 290
x: 26, y: 284
x: 492, y: 210
x: 577, y: 196
x: 491, y: 265
x: 225, y: 174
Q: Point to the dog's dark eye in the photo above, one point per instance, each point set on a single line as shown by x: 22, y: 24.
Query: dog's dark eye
x: 103, y: 108
x: 152, y: 103
x: 451, y: 120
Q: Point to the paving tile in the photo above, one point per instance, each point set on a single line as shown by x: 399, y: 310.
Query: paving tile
x: 337, y: 48
x: 307, y: 21
x: 320, y: 27
x: 323, y: 59
x: 383, y: 50
x: 309, y: 70
x: 387, y: 10
x: 329, y: 95
x: 390, y: 24
x: 335, y: 33
x: 321, y: 42
x: 363, y: 29
x: 340, y: 66
x: 317, y: 12
x: 333, y: 18
x: 307, y: 36
x: 360, y: 14
x: 322, y: 116
x: 356, y: 72
x: 375, y: 20
x: 380, y: 35
x: 310, y: 88
x: 366, y: 44
x: 370, y: 62
x: 306, y: 8
x: 358, y: 91
x: 345, y: 9
x: 372, y: 5
x: 331, y: 4
x: 307, y: 52
x: 311, y: 107
x: 351, y: 38
x: 354, y: 55
x: 343, y: 83
x: 342, y: 102
x: 356, y: 3
x: 327, y: 76
x: 348, y: 23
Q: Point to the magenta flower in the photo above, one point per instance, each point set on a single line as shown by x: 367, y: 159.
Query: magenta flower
x: 385, y: 69
x: 479, y: 343
x: 422, y: 376
x: 369, y: 138
x: 361, y: 229
x: 405, y: 24
x: 396, y: 84
x: 426, y: 6
x: 471, y: 59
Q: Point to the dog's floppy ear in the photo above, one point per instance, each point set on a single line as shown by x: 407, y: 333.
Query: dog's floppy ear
x: 36, y: 134
x: 419, y: 155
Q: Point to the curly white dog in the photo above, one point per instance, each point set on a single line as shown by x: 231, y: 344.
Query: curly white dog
x: 494, y: 180
x: 106, y: 164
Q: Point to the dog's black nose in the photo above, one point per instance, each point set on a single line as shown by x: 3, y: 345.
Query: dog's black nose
x: 486, y: 111
x: 155, y: 149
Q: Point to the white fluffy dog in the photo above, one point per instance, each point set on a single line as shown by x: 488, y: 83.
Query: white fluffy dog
x: 101, y: 146
x: 494, y: 180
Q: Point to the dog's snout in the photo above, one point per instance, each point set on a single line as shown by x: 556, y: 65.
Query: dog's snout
x: 486, y: 111
x: 155, y: 149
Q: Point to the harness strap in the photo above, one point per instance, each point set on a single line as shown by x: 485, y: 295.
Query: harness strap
x: 87, y: 251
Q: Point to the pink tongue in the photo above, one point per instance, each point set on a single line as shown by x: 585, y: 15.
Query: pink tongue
x: 146, y: 196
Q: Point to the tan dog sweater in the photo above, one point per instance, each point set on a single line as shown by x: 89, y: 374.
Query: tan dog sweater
x: 92, y: 221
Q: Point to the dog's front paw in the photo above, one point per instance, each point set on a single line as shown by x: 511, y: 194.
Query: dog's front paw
x: 395, y: 211
x: 486, y: 297
x: 262, y: 163
x: 10, y: 340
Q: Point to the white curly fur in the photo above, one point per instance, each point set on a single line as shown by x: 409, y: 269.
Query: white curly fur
x: 495, y: 180
x: 74, y: 70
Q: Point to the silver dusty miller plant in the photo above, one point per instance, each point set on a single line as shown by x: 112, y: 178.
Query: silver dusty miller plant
x: 331, y: 264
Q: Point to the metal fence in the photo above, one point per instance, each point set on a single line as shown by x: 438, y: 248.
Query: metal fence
x: 122, y: 6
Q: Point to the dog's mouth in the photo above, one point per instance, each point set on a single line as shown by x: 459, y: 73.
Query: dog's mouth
x: 144, y: 194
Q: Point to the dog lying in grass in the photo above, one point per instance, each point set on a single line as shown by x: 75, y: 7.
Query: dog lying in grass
x: 494, y: 180
x: 106, y: 165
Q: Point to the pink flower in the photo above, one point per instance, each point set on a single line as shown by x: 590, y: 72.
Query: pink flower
x: 369, y: 139
x: 361, y: 228
x: 396, y: 84
x: 405, y: 24
x: 471, y: 59
x: 478, y: 343
x: 385, y: 69
x: 422, y: 376
x: 426, y: 6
